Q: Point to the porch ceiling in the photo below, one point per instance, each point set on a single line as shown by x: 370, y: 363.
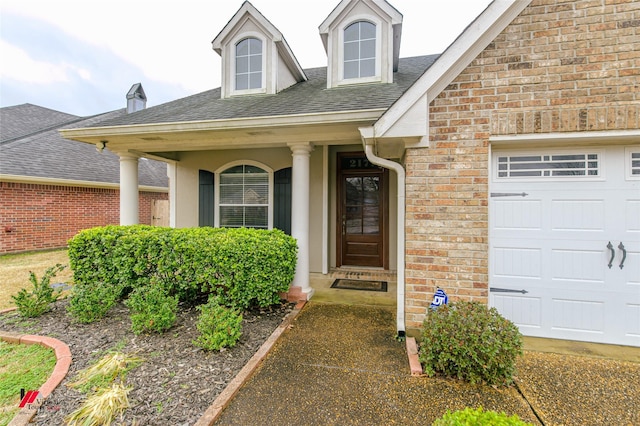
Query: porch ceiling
x: 228, y: 134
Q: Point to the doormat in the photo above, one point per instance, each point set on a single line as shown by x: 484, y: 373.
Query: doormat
x: 359, y: 285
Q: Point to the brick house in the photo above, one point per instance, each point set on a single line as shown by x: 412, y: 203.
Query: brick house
x: 51, y: 188
x: 504, y: 170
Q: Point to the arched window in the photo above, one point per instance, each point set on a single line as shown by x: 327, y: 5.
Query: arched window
x: 244, y: 197
x: 249, y: 64
x: 360, y: 50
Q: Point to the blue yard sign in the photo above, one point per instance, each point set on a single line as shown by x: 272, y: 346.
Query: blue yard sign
x: 440, y: 298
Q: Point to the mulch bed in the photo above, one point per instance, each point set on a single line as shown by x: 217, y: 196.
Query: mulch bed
x: 177, y: 381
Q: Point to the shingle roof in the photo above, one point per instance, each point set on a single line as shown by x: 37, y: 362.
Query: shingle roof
x: 46, y: 154
x: 307, y: 97
x: 21, y: 120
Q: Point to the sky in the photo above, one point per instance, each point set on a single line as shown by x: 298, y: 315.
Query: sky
x: 82, y: 56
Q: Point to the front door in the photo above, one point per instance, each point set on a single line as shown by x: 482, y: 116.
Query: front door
x: 362, y: 212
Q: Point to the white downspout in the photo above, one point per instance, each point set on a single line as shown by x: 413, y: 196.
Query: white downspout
x: 392, y: 165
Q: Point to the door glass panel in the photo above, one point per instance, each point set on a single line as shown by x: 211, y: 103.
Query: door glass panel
x: 362, y: 209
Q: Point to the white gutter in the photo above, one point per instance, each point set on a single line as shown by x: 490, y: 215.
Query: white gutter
x: 392, y: 165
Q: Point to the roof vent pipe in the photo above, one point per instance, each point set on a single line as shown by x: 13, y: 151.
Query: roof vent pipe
x: 136, y: 98
x: 392, y: 165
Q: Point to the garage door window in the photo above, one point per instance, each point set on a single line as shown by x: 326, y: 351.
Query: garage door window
x: 633, y: 163
x: 551, y: 165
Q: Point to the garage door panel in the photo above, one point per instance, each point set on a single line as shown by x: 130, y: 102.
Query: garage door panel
x: 514, y: 262
x: 578, y: 315
x: 577, y: 215
x: 524, y: 311
x: 518, y: 215
x: 578, y: 266
x: 632, y: 320
x: 632, y: 217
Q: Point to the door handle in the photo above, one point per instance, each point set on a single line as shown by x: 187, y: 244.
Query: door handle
x: 613, y: 254
x: 624, y: 254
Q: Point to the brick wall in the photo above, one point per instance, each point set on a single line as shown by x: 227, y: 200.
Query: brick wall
x: 34, y: 217
x: 561, y: 66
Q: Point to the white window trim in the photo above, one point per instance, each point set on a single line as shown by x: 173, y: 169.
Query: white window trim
x: 549, y: 151
x: 341, y: 81
x: 627, y: 162
x: 269, y: 170
x: 232, y: 79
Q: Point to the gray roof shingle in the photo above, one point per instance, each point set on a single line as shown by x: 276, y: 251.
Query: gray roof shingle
x: 21, y: 120
x: 307, y: 97
x: 46, y: 154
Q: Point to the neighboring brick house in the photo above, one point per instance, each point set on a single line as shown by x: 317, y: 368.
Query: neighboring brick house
x: 504, y: 170
x: 51, y: 188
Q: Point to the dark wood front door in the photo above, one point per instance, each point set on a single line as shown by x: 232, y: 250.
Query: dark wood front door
x: 362, y: 212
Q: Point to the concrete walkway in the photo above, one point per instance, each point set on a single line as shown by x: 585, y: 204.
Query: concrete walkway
x: 339, y: 364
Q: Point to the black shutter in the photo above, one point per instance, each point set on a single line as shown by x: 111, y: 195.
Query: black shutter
x: 282, y: 200
x: 206, y: 199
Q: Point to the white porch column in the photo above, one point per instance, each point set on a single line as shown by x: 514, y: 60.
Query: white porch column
x: 300, y: 215
x: 128, y: 189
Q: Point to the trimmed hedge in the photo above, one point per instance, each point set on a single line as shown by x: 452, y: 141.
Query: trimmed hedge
x: 241, y: 267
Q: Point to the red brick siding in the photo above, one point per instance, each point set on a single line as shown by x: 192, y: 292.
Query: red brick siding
x: 561, y: 66
x: 35, y: 217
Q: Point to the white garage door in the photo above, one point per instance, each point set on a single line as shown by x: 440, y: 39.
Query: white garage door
x: 565, y: 242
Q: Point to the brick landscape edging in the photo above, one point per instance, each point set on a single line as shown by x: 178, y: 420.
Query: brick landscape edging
x: 63, y: 362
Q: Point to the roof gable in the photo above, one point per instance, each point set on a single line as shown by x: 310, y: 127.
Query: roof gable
x: 388, y: 27
x: 475, y: 38
x: 282, y: 68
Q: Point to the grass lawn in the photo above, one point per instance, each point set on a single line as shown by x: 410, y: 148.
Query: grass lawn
x: 21, y: 367
x: 14, y: 271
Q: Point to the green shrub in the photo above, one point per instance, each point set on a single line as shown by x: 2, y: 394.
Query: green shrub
x: 219, y: 327
x: 471, y: 342
x: 152, y: 309
x: 90, y: 303
x: 243, y: 267
x: 478, y: 417
x: 36, y: 302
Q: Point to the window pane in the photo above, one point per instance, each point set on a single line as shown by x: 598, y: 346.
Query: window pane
x: 255, y: 46
x: 231, y: 216
x: 351, y: 33
x: 256, y: 194
x: 351, y: 70
x: 242, y: 48
x: 242, y: 82
x: 351, y: 51
x: 367, y: 30
x: 253, y: 169
x: 256, y: 217
x: 368, y: 68
x: 255, y: 63
x: 261, y: 178
x: 242, y: 64
x: 255, y: 80
x: 231, y: 194
x: 368, y: 49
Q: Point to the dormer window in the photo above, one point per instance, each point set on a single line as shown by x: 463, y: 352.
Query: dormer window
x: 360, y: 50
x: 256, y: 59
x: 362, y: 41
x: 249, y: 64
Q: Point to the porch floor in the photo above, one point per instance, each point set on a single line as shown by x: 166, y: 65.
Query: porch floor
x: 321, y: 284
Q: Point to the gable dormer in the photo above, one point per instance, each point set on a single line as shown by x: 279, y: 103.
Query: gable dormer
x: 256, y: 58
x: 362, y: 41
